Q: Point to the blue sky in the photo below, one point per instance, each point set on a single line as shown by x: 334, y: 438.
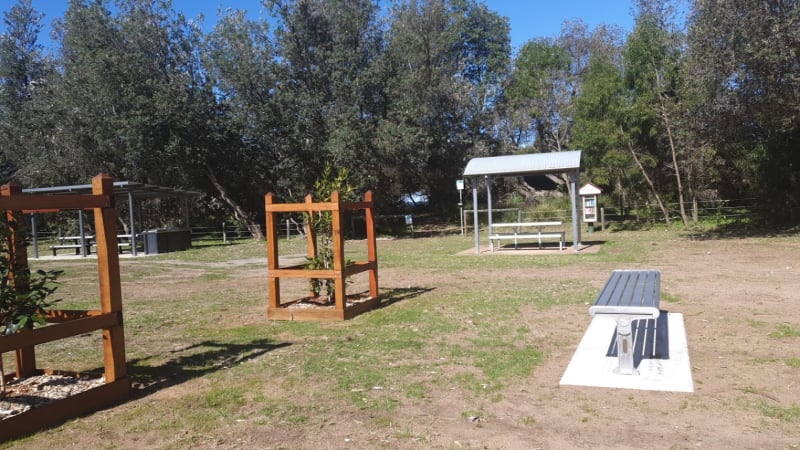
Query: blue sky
x: 528, y: 18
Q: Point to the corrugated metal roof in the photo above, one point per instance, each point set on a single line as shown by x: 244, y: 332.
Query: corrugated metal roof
x: 528, y: 164
x: 139, y: 190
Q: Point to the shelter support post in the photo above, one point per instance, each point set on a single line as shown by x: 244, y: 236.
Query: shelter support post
x: 489, y: 203
x: 131, y: 224
x: 82, y: 227
x: 576, y: 226
x: 35, y: 238
x: 475, y: 214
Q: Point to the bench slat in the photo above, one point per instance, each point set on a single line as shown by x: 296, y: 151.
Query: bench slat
x: 628, y: 295
x: 629, y: 288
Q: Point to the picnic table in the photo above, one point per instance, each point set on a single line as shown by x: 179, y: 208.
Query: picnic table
x: 525, y: 230
x: 81, y: 244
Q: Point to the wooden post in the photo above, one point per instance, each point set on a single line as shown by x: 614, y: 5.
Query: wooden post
x: 18, y: 263
x: 272, y: 252
x: 109, y: 279
x: 602, y: 219
x: 338, y: 251
x: 311, y: 242
x: 340, y: 270
x: 311, y: 236
x: 372, y: 253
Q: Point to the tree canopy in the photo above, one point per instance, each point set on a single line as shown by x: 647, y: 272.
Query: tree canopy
x: 401, y: 97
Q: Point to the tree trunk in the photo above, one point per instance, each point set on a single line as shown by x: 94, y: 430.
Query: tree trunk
x: 668, y: 126
x: 649, y: 183
x: 238, y: 212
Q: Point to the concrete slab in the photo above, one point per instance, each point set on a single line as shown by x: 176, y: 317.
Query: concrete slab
x: 594, y: 360
x: 532, y: 249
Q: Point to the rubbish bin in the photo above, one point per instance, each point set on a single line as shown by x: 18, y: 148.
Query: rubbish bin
x: 167, y: 240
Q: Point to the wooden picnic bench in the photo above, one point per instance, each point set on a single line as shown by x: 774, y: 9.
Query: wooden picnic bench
x: 627, y: 296
x: 124, y: 242
x: 73, y: 242
x: 525, y: 230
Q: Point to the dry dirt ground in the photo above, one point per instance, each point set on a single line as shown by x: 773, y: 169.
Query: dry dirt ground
x: 735, y: 295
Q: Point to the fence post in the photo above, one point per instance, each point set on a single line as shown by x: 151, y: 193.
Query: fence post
x: 224, y: 234
x: 602, y: 219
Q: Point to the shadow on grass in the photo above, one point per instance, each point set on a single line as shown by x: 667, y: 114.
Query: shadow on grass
x: 394, y: 295
x: 192, y: 362
x: 201, y: 243
x: 740, y: 230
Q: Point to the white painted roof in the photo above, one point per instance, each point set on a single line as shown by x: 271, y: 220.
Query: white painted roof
x: 527, y: 164
x: 589, y: 189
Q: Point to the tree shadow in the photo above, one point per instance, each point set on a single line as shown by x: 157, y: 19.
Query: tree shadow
x: 189, y: 363
x: 395, y: 295
x: 212, y: 243
x: 742, y: 230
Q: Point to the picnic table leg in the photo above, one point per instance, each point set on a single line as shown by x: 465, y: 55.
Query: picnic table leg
x: 625, y: 347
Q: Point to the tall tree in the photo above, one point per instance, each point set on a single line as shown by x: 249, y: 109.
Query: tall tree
x: 744, y: 58
x: 445, y: 61
x: 652, y: 59
x: 542, y: 84
x: 132, y: 92
x: 254, y: 138
x: 603, y: 129
x: 329, y: 87
x: 22, y: 67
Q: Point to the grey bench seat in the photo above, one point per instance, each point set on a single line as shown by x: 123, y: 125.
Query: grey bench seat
x: 628, y: 295
x: 525, y: 230
x: 76, y: 247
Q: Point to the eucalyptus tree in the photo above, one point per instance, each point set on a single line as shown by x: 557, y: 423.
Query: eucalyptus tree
x: 744, y: 59
x: 130, y: 95
x: 542, y: 85
x: 23, y: 66
x: 329, y: 89
x: 445, y: 62
x: 546, y: 79
x: 653, y: 57
x: 254, y: 142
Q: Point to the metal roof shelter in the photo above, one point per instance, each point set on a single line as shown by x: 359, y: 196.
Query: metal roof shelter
x: 522, y: 165
x: 132, y: 190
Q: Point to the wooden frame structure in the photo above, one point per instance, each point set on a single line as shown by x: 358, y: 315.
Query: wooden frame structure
x: 68, y: 323
x: 340, y: 271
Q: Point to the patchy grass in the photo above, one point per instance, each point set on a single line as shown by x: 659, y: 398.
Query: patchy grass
x: 782, y: 413
x: 449, y: 346
x: 785, y: 330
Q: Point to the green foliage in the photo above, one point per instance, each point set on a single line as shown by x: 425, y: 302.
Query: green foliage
x: 785, y: 330
x: 444, y: 62
x: 322, y: 223
x: 400, y: 96
x: 744, y: 66
x: 23, y: 295
x: 22, y: 67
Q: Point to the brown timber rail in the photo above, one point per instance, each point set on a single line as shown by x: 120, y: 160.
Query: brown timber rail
x: 340, y: 270
x: 67, y: 323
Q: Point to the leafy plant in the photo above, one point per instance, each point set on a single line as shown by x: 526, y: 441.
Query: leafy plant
x: 23, y: 295
x: 322, y: 224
